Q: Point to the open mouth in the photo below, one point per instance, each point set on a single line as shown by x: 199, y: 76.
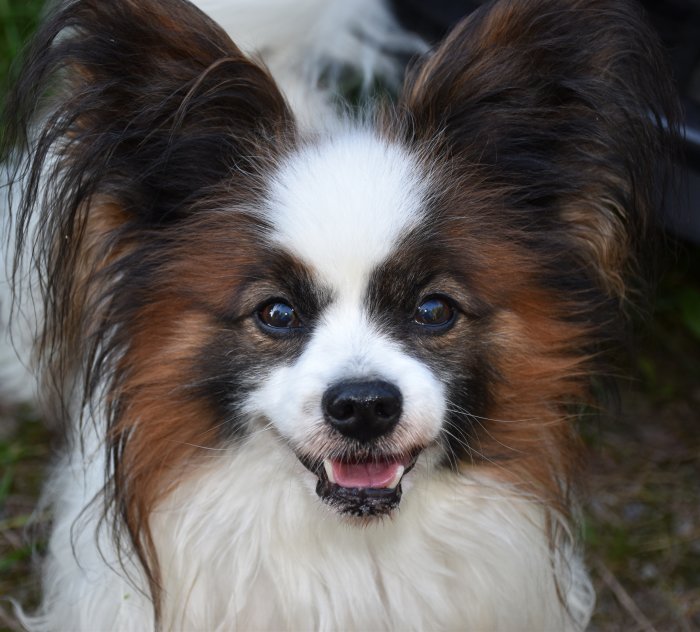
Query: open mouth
x: 362, y: 488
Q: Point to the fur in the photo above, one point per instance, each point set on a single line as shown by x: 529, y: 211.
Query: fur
x: 472, y: 245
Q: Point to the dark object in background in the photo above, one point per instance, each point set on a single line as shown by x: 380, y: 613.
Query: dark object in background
x: 678, y: 23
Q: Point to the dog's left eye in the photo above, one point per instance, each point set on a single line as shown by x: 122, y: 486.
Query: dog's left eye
x: 277, y: 314
x: 435, y: 311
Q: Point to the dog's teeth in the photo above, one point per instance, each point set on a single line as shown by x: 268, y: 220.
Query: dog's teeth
x: 328, y: 466
x: 397, y: 478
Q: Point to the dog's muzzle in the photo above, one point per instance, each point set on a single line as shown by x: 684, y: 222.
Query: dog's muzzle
x: 366, y: 480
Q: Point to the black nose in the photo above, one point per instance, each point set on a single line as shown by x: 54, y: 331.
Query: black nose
x: 362, y: 410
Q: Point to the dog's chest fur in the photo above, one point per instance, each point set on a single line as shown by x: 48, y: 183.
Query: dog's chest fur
x: 245, y: 546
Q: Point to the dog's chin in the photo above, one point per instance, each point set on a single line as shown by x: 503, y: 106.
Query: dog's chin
x: 361, y: 488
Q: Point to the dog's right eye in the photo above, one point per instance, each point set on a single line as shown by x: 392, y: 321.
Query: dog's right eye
x: 435, y: 312
x: 278, y: 315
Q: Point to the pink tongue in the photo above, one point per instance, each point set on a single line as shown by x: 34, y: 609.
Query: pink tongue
x: 375, y: 475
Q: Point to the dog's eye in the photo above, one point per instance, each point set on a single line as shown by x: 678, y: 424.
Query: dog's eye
x: 435, y: 311
x: 277, y: 314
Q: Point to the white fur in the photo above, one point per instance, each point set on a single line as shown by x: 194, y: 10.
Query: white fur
x: 84, y: 586
x: 245, y: 546
x: 306, y: 43
x: 342, y: 205
x: 460, y: 554
x: 18, y: 314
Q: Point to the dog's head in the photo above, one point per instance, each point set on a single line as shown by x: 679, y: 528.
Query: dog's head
x: 434, y: 284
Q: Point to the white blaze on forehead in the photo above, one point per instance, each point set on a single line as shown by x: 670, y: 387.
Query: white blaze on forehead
x: 342, y: 206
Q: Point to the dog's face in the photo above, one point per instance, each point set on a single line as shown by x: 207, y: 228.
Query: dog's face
x: 351, y: 326
x: 359, y: 325
x: 366, y: 309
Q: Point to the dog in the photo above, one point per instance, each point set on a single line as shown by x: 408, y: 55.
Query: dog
x: 320, y: 368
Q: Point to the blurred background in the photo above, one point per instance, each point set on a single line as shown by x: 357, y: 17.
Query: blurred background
x: 642, y: 489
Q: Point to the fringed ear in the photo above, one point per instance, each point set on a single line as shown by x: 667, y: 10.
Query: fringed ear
x: 131, y: 113
x: 566, y: 106
x: 137, y: 116
x: 147, y: 102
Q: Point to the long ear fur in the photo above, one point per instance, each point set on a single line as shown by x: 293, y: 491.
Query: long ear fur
x: 135, y: 115
x: 137, y: 108
x: 566, y: 104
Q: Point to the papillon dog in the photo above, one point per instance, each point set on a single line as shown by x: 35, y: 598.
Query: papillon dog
x: 320, y: 369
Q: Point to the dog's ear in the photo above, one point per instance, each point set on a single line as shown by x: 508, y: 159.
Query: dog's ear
x: 145, y: 102
x: 135, y: 115
x: 566, y: 107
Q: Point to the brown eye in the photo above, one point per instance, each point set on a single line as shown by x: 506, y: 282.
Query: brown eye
x: 436, y: 312
x: 278, y: 315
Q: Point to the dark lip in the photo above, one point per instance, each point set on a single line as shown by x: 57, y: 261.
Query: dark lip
x: 360, y: 502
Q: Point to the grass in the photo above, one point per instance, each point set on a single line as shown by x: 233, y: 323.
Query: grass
x: 642, y: 519
x: 24, y: 455
x: 643, y: 516
x: 17, y: 20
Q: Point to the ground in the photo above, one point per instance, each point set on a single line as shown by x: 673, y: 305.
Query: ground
x: 643, y: 486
